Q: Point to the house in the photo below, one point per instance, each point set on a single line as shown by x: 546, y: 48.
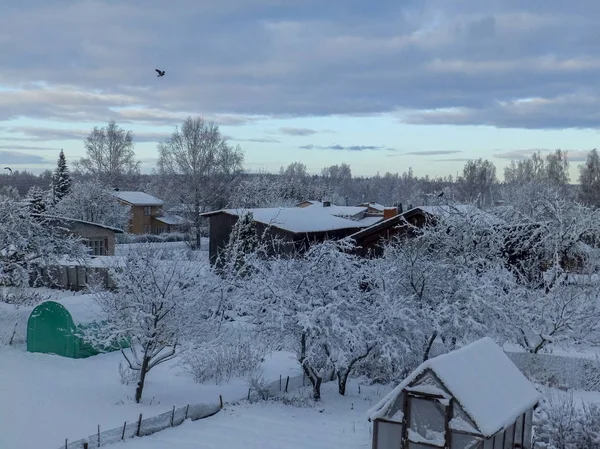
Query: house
x: 373, y: 208
x: 297, y: 226
x: 144, y: 209
x: 471, y: 398
x: 395, y: 224
x: 98, y: 237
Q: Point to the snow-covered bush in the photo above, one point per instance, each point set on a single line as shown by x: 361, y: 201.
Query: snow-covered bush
x: 222, y: 359
x: 560, y: 424
x: 258, y: 387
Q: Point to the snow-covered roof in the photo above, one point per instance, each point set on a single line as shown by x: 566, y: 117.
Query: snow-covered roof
x: 375, y: 206
x: 369, y: 221
x: 313, y: 202
x: 483, y: 380
x: 138, y: 198
x: 338, y: 211
x: 74, y: 220
x: 172, y: 220
x: 296, y: 219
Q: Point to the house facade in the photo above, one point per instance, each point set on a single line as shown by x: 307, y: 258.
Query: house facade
x: 99, y: 238
x: 145, y: 209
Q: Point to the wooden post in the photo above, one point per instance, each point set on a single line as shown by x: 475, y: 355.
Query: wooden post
x: 66, y: 442
x: 186, y: 411
x: 139, y: 425
x: 221, y: 401
x: 280, y: 382
x: 303, y: 379
x: 123, y: 434
x: 287, y: 382
x: 172, y: 416
x: 98, y: 435
x: 248, y: 393
x: 85, y: 446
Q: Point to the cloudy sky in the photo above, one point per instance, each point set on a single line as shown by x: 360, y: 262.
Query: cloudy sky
x: 380, y: 85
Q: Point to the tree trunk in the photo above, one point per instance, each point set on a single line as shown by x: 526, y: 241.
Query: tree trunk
x: 429, y: 345
x: 342, y: 380
x: 142, y: 379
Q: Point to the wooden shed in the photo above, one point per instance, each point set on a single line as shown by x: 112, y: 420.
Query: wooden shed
x: 471, y: 398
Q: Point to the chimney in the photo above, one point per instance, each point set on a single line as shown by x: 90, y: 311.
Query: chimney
x: 390, y: 212
x: 326, y: 203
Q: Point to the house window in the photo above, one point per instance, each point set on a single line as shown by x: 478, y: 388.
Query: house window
x: 147, y: 229
x: 147, y: 210
x: 97, y: 247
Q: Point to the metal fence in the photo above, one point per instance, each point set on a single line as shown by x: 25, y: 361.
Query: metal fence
x: 176, y: 416
x: 143, y: 427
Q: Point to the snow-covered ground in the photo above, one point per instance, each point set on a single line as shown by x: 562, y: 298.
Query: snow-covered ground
x: 337, y: 422
x: 46, y: 398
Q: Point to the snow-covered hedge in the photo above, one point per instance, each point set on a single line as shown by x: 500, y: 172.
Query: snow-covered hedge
x: 560, y: 424
x: 153, y: 238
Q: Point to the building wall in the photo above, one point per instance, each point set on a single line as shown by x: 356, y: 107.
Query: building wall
x: 91, y: 232
x: 143, y: 224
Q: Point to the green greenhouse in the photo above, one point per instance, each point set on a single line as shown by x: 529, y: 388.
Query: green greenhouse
x: 51, y: 329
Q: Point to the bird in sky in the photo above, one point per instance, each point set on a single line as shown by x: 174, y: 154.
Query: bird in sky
x: 9, y: 169
x: 160, y: 72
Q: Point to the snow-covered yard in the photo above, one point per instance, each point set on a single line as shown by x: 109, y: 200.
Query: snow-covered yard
x: 338, y: 422
x: 46, y: 398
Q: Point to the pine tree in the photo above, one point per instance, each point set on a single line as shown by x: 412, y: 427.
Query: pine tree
x: 37, y: 203
x: 61, y: 181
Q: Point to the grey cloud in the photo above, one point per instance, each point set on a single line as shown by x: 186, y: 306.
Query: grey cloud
x: 454, y: 159
x: 13, y: 157
x: 341, y: 147
x: 41, y: 134
x: 257, y: 140
x: 432, y: 153
x: 234, y: 59
x: 290, y: 131
x: 6, y: 146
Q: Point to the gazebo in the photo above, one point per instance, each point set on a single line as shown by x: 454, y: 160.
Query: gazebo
x: 54, y: 328
x: 471, y: 398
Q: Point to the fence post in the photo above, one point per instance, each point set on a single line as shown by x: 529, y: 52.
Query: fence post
x: 139, y: 425
x: 280, y: 382
x: 303, y: 377
x: 287, y: 382
x: 123, y: 434
x: 172, y: 416
x: 221, y: 401
x: 186, y: 411
x: 248, y: 393
x: 85, y: 446
x: 98, y: 435
x: 66, y: 442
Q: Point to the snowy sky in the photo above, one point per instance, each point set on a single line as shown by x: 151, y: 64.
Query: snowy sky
x: 380, y: 85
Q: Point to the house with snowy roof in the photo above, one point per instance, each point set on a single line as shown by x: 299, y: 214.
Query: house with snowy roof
x: 297, y: 226
x: 471, y: 398
x: 147, y: 216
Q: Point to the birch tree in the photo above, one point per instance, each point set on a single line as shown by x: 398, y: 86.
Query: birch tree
x: 197, y: 161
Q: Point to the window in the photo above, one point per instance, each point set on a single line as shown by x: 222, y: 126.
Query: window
x: 147, y: 229
x: 147, y: 210
x: 97, y: 247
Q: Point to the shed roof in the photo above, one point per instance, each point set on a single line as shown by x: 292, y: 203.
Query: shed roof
x: 138, y: 198
x: 484, y: 381
x: 294, y: 219
x: 74, y: 220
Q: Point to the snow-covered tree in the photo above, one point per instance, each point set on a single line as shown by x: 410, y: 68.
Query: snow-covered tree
x: 110, y: 156
x: 158, y: 307
x: 260, y: 191
x: 28, y: 243
x: 37, y: 200
x: 92, y: 201
x: 589, y: 179
x: 61, y: 179
x: 243, y: 240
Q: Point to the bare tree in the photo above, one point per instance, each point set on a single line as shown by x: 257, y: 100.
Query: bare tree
x: 110, y: 155
x: 589, y: 179
x: 198, y: 162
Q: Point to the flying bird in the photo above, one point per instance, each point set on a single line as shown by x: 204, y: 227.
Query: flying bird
x: 9, y: 169
x: 441, y: 195
x: 160, y: 72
